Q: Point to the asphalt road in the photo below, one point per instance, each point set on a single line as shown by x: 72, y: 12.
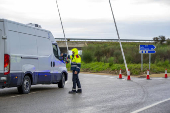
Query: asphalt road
x: 101, y: 94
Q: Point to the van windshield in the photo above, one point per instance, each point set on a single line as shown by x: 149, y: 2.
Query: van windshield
x: 55, y: 51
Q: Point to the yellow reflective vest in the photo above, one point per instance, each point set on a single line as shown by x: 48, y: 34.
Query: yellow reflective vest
x: 75, y: 60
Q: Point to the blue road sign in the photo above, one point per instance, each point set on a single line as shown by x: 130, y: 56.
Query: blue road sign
x: 147, y: 47
x: 151, y: 51
x: 147, y: 51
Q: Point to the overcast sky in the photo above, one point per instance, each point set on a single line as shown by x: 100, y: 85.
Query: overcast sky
x: 136, y: 19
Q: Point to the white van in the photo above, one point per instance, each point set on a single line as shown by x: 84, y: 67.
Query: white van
x: 28, y: 56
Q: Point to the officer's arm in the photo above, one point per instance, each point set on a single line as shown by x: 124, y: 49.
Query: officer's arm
x: 78, y: 61
x: 65, y: 55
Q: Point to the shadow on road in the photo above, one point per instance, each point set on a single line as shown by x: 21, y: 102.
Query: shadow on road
x: 8, y: 92
x: 43, y: 88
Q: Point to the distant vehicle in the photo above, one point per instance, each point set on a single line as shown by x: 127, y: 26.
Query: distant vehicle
x: 29, y: 55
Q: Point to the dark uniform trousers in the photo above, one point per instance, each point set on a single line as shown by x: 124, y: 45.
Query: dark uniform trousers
x: 76, y: 81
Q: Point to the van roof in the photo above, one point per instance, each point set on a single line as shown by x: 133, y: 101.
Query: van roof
x: 5, y: 20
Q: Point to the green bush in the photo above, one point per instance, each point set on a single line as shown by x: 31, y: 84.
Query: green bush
x: 135, y: 69
x: 168, y: 41
x: 111, y: 61
x: 117, y: 53
x: 103, y: 51
x: 120, y: 60
x: 104, y: 59
x: 166, y: 63
x: 87, y: 56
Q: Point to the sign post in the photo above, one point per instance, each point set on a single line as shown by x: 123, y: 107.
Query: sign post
x: 146, y: 49
x: 141, y: 61
x: 149, y: 60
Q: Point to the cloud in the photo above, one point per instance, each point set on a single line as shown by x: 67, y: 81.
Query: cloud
x: 93, y: 18
x: 166, y: 2
x: 106, y: 29
x: 131, y: 10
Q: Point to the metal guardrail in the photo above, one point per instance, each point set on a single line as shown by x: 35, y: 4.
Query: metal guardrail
x: 113, y: 40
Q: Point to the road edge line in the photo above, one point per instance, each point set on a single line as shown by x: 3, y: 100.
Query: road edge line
x: 144, y: 108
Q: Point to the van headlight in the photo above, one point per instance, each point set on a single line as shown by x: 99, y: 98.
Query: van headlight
x: 3, y: 78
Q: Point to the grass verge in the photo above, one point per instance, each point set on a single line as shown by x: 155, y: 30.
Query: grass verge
x: 135, y: 69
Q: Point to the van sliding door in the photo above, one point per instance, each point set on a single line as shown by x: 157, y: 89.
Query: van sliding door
x: 45, y: 58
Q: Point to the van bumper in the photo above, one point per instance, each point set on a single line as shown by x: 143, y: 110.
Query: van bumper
x: 3, y: 80
x: 10, y: 80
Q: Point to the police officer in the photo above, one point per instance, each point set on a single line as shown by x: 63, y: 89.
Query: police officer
x: 75, y: 67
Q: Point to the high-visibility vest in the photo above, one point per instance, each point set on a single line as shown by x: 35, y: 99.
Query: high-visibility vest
x: 75, y: 62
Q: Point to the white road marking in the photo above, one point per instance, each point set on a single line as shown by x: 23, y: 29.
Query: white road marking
x: 142, y: 109
x: 159, y: 78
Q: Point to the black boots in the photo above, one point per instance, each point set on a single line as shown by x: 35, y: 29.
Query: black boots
x: 79, y: 91
x: 74, y: 91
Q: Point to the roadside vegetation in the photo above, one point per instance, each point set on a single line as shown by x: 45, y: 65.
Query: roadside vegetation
x: 107, y: 57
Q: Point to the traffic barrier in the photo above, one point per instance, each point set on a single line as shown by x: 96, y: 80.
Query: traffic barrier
x: 128, y: 77
x: 147, y: 77
x: 120, y: 75
x: 166, y: 76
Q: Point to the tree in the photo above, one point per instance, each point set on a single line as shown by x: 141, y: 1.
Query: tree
x: 162, y: 39
x: 156, y: 39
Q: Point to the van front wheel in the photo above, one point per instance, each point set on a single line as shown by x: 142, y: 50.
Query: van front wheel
x: 61, y: 84
x: 26, y: 86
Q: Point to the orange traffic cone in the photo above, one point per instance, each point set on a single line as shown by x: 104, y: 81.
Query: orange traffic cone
x: 120, y: 75
x: 147, y: 77
x: 166, y: 76
x: 128, y: 78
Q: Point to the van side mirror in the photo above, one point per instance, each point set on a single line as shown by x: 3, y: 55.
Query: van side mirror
x: 63, y: 59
